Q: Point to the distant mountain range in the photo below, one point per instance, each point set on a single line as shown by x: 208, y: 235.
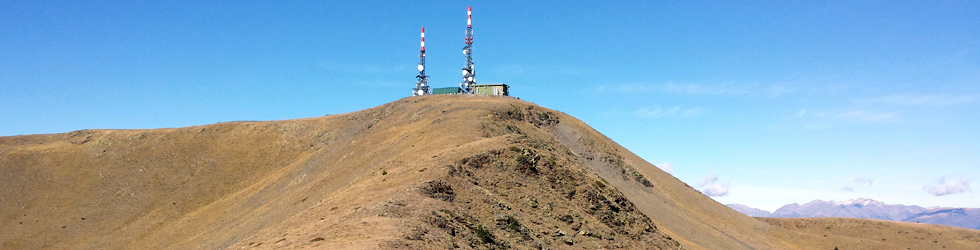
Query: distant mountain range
x: 872, y: 209
x: 750, y: 211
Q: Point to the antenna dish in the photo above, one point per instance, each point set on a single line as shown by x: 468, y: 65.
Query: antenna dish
x: 421, y: 67
x: 465, y: 71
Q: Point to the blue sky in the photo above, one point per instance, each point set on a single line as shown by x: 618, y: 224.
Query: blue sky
x: 762, y: 103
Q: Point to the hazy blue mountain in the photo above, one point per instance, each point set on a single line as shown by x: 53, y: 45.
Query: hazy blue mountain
x: 872, y: 209
x: 750, y: 211
x: 859, y: 208
x: 957, y: 217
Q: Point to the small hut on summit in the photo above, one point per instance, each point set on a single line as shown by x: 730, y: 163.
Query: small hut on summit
x: 491, y: 89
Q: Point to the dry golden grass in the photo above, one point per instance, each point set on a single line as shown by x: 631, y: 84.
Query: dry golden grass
x: 848, y: 233
x: 430, y: 172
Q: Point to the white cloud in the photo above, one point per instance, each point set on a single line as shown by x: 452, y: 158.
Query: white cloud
x: 666, y: 167
x: 710, y: 187
x: 847, y: 189
x: 944, y: 187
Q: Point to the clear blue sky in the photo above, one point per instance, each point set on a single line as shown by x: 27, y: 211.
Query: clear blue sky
x: 779, y: 101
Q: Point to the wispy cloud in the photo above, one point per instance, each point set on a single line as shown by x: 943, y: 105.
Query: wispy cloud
x: 356, y: 68
x: 858, y: 182
x: 926, y: 100
x: 541, y: 69
x: 666, y: 167
x: 823, y: 120
x: 944, y: 187
x: 657, y: 112
x: 865, y: 181
x: 706, y: 89
x: 851, y: 115
x: 808, y: 114
x: 867, y: 116
x: 711, y: 187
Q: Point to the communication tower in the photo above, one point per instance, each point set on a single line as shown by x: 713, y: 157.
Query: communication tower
x: 469, y: 72
x: 422, y: 83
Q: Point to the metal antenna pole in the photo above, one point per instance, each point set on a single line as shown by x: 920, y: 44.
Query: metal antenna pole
x: 469, y: 72
x: 422, y: 83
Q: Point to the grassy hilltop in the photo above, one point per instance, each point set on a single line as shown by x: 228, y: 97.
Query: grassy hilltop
x: 432, y: 172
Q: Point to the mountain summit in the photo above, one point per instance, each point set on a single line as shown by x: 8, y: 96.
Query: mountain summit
x: 860, y: 202
x: 859, y: 208
x: 428, y: 172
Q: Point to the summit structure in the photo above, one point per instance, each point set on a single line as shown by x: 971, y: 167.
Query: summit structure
x: 468, y: 85
x: 422, y: 83
x: 469, y: 72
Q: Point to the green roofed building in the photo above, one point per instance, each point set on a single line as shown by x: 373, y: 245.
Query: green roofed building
x: 445, y: 91
x: 492, y: 89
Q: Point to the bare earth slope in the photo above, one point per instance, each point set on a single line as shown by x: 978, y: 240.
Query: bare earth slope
x: 430, y: 172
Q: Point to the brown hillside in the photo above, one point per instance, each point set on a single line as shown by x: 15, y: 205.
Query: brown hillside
x: 430, y: 172
x: 848, y: 233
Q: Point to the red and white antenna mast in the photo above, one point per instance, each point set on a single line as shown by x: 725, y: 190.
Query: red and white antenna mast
x: 422, y: 83
x: 469, y: 72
